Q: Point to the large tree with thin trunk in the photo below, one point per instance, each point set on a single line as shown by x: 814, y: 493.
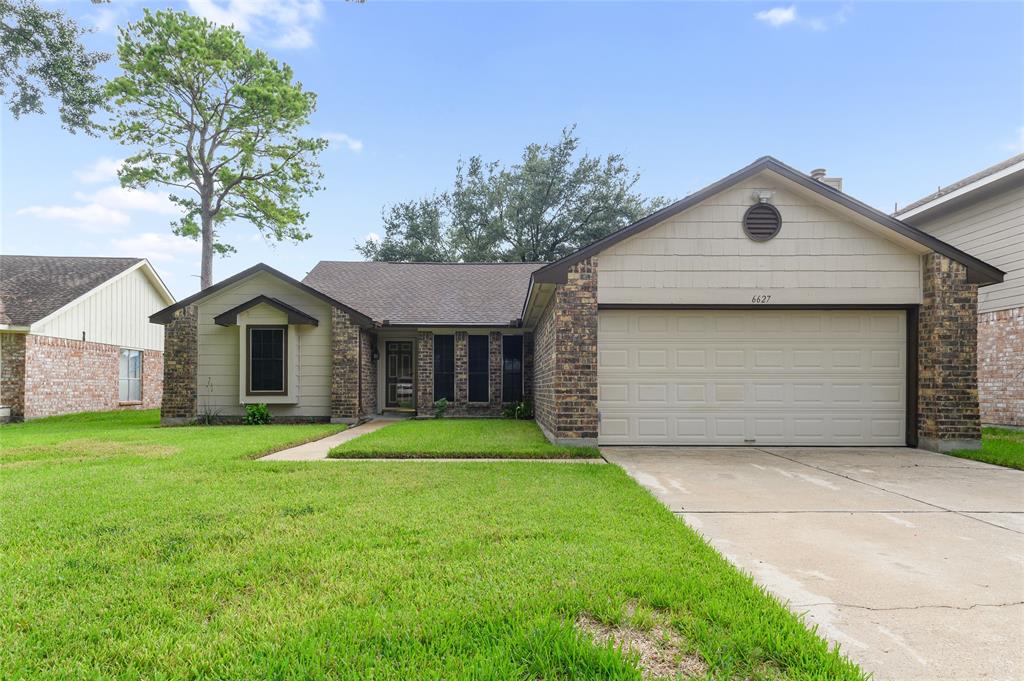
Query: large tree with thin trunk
x: 216, y: 122
x: 550, y: 203
x: 42, y: 56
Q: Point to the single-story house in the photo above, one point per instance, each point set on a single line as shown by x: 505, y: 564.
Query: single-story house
x: 75, y: 335
x: 983, y: 214
x: 769, y: 308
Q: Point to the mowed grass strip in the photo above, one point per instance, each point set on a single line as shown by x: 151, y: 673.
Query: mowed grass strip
x: 200, y: 563
x: 458, y: 438
x: 1001, y: 446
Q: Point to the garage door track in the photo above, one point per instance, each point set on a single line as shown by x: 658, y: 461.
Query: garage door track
x: 912, y: 561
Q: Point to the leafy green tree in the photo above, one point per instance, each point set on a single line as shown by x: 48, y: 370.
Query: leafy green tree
x: 551, y: 203
x: 218, y: 123
x: 42, y: 55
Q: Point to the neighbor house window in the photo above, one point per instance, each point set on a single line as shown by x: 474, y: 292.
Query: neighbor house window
x: 130, y: 376
x: 511, y: 368
x: 444, y: 367
x: 478, y: 349
x: 267, y: 364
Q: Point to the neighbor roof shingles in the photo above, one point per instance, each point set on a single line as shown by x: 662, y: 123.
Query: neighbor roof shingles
x: 485, y: 294
x: 33, y: 286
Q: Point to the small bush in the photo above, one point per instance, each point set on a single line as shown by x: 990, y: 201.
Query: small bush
x: 440, y: 407
x: 519, y: 410
x: 256, y: 415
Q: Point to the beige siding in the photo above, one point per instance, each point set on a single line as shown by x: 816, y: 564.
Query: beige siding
x: 991, y: 229
x: 116, y: 313
x: 702, y: 256
x: 220, y: 349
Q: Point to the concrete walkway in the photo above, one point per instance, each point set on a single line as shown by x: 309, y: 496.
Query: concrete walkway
x: 317, y: 449
x: 912, y: 561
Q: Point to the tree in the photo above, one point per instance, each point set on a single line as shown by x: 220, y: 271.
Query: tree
x: 540, y: 209
x: 218, y: 123
x: 41, y: 55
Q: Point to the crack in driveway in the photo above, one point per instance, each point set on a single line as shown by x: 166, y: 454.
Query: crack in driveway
x: 909, y: 607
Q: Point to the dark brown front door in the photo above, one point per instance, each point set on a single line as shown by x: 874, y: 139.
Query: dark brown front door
x: 398, y: 383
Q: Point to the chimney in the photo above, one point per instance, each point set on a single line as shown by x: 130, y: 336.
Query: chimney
x: 834, y: 182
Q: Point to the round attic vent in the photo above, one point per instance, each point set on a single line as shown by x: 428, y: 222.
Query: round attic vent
x: 762, y: 221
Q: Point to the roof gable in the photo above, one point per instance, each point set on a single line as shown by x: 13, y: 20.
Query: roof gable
x: 34, y: 287
x: 978, y: 271
x: 295, y: 315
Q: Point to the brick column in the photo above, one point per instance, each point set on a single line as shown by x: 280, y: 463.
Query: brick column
x: 424, y: 373
x: 181, y: 368
x: 494, y: 370
x: 948, y: 415
x: 344, y: 368
x: 367, y: 373
x: 12, y: 375
x: 461, y: 370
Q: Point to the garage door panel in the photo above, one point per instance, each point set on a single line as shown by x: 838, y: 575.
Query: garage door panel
x: 773, y: 376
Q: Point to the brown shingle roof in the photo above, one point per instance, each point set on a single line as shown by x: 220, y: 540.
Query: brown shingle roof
x: 33, y: 286
x: 970, y: 179
x: 485, y: 294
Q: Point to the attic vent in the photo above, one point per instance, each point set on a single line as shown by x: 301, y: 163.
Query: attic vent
x: 762, y: 221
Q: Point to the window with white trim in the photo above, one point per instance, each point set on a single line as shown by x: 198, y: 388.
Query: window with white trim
x: 129, y: 387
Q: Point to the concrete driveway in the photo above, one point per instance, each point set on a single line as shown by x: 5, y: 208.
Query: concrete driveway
x: 912, y: 561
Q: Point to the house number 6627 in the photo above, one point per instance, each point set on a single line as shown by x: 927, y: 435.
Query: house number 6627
x: 761, y: 299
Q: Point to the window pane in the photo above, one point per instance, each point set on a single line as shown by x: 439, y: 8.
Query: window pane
x: 478, y: 369
x: 134, y: 390
x: 266, y: 360
x: 444, y: 367
x: 122, y: 390
x: 123, y: 365
x: 134, y: 364
x: 512, y: 369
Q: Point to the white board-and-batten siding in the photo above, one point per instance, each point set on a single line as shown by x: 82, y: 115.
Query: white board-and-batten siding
x: 115, y: 313
x: 221, y: 350
x: 991, y: 229
x: 703, y: 256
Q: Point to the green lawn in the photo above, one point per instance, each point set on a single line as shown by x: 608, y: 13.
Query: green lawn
x: 130, y: 551
x: 1001, y: 446
x: 458, y: 438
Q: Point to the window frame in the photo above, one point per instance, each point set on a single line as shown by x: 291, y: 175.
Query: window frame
x: 249, y: 328
x: 436, y: 373
x: 504, y: 373
x: 485, y: 372
x: 128, y: 379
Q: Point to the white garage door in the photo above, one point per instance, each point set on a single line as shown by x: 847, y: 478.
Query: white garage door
x: 763, y: 377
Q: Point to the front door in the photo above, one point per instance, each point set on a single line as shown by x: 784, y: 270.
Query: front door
x: 398, y: 383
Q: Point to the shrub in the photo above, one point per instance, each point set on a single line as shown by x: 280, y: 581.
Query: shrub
x: 440, y: 407
x: 256, y: 415
x: 519, y: 410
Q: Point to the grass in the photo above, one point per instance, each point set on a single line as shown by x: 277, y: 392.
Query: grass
x: 458, y: 438
x: 129, y: 551
x: 1001, y: 446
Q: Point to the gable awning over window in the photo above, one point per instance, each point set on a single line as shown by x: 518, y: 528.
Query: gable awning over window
x: 295, y: 315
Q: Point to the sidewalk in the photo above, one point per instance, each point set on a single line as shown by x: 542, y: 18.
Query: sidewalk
x: 317, y: 450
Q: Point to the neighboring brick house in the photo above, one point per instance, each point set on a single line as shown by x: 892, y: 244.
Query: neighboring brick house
x: 769, y: 308
x: 984, y: 215
x: 75, y: 335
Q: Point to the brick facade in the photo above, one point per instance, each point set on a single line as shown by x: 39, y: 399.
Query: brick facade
x: 12, y: 374
x: 565, y: 362
x: 1001, y: 367
x: 424, y: 373
x: 181, y: 367
x: 345, y: 368
x: 368, y: 373
x: 948, y: 413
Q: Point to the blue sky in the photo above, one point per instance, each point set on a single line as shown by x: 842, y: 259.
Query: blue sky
x: 895, y: 98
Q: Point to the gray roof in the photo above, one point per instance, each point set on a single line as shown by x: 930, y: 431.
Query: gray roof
x: 970, y: 179
x: 440, y: 294
x: 33, y: 286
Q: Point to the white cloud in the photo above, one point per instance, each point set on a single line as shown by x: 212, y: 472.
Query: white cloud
x: 283, y: 23
x: 340, y: 139
x: 777, y: 16
x: 92, y: 217
x: 102, y: 169
x: 118, y: 197
x: 156, y: 247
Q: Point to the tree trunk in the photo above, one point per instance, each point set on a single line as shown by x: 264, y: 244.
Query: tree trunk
x: 206, y: 273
